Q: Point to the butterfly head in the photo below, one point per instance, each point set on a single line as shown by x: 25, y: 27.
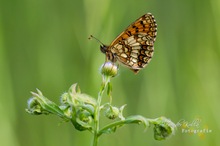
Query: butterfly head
x: 103, y: 48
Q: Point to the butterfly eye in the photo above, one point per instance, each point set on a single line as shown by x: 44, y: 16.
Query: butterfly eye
x: 103, y: 48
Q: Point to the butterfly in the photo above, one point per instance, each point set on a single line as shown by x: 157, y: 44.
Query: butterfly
x: 134, y: 47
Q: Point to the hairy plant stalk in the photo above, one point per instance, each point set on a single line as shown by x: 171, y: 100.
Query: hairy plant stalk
x: 106, y: 80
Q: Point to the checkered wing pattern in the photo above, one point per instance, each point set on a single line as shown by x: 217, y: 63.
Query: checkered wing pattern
x: 134, y: 47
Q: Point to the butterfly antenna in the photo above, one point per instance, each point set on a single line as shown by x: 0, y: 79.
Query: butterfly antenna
x: 91, y: 37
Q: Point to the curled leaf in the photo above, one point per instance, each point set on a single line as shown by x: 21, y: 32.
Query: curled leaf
x: 163, y: 128
x: 136, y: 119
x: 82, y: 120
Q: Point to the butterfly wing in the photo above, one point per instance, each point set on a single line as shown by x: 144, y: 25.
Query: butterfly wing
x: 134, y: 47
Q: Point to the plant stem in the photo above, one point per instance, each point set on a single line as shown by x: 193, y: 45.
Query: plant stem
x: 106, y: 80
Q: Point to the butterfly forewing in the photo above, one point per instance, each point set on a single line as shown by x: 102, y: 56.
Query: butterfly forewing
x: 134, y: 47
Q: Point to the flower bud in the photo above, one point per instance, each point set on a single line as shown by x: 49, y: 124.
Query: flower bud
x: 109, y: 69
x: 112, y: 112
x: 163, y: 128
x: 82, y: 120
x: 38, y: 104
x: 85, y: 116
x: 34, y: 107
x: 64, y: 98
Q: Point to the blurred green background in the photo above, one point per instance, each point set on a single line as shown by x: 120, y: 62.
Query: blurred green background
x: 44, y: 44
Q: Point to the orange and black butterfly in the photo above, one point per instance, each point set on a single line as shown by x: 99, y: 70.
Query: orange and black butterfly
x: 134, y: 47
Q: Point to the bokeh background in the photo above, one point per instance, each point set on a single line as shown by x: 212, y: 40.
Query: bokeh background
x: 44, y: 44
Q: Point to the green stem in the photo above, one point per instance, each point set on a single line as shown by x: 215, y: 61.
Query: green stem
x: 106, y: 80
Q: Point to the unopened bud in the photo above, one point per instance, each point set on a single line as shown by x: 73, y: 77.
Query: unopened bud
x: 109, y: 69
x: 163, y: 128
x: 112, y: 112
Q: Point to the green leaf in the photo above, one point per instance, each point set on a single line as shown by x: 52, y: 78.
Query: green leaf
x: 39, y: 104
x: 76, y: 97
x: 136, y: 119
